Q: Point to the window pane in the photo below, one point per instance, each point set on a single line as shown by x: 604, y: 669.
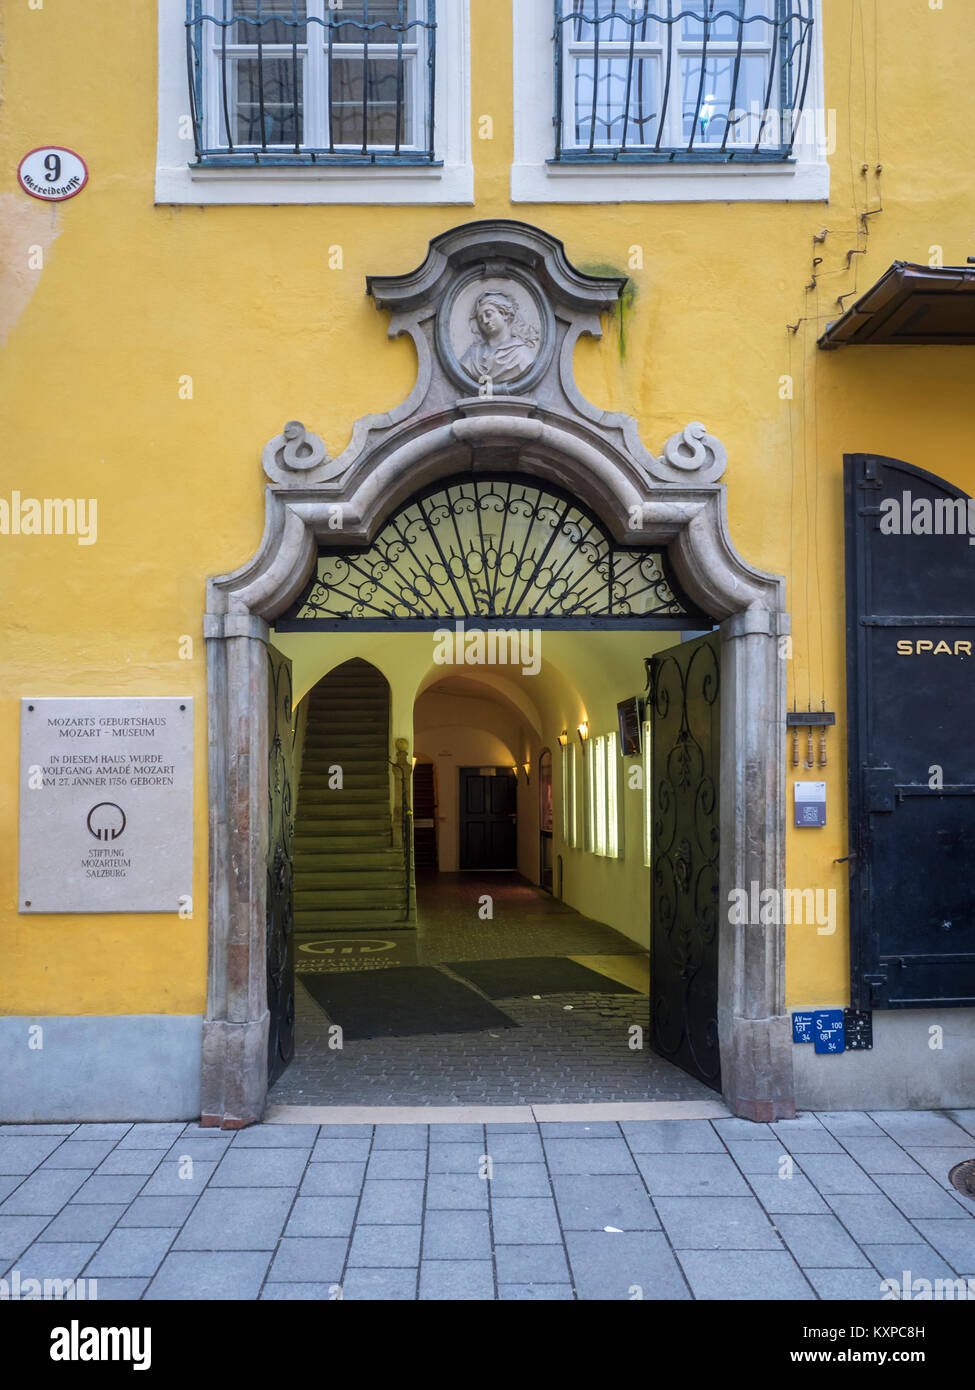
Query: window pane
x: 379, y: 21
x: 612, y: 118
x: 273, y: 21
x: 647, y: 795
x: 615, y: 16
x: 279, y: 102
x: 709, y: 122
x: 380, y: 96
x: 724, y: 16
x: 612, y: 796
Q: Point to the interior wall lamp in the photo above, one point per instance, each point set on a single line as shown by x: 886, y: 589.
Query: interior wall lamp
x: 584, y: 731
x: 527, y: 767
x: 563, y: 738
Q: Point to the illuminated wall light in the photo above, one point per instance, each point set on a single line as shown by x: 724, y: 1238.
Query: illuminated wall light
x: 584, y: 731
x: 563, y: 738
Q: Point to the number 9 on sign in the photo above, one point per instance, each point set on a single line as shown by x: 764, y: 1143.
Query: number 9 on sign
x: 52, y: 173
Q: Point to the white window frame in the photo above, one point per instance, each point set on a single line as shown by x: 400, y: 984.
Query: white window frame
x: 534, y: 179
x: 570, y: 820
x: 604, y: 820
x: 451, y: 182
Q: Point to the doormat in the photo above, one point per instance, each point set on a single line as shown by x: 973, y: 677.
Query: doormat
x: 401, y: 1003
x: 519, y: 977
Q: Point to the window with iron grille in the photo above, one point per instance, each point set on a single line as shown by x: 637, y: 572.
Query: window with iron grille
x: 312, y: 81
x: 680, y: 80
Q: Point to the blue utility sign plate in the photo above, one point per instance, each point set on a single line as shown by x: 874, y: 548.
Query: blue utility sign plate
x: 828, y: 1031
x: 802, y: 1028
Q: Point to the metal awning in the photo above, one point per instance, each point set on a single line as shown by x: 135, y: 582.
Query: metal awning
x: 910, y: 306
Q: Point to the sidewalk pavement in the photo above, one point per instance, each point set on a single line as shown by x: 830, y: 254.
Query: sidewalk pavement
x: 825, y: 1206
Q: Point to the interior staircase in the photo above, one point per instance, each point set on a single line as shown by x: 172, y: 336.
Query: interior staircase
x: 348, y: 874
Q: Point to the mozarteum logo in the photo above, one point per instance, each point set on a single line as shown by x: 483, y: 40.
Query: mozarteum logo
x: 77, y: 1343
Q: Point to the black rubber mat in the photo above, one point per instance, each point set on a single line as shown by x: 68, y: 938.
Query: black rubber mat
x: 519, y: 977
x: 401, y: 1003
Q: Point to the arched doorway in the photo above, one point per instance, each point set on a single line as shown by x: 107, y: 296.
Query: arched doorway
x: 331, y: 521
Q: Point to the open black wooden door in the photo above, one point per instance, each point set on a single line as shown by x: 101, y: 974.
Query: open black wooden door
x: 280, y: 865
x: 910, y: 578
x: 684, y: 705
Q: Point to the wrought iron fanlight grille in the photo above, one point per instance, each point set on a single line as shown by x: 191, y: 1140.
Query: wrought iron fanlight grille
x: 312, y: 81
x: 669, y: 80
x: 491, y: 551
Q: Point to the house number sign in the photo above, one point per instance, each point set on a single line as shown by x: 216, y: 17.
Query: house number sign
x: 106, y: 805
x: 52, y: 173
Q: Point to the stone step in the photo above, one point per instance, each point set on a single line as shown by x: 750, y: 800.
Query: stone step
x: 321, y: 899
x: 334, y: 878
x: 352, y: 767
x: 312, y: 859
x: 338, y: 823
x: 371, y: 791
x: 376, y: 812
x: 343, y: 842
x: 312, y: 921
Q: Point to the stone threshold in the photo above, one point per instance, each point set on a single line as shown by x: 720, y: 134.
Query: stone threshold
x: 494, y: 1114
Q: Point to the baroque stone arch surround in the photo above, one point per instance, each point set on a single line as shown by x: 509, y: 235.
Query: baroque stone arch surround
x: 553, y: 435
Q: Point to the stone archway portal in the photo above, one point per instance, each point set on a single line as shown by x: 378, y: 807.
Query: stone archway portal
x: 457, y: 427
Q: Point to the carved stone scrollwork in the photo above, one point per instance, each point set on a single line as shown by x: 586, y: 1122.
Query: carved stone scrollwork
x: 691, y: 456
x: 292, y: 455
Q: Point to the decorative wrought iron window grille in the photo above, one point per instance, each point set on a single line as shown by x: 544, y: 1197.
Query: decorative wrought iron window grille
x: 665, y: 81
x: 495, y: 552
x: 284, y: 82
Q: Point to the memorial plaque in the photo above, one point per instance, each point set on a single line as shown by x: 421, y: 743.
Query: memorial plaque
x: 106, y: 805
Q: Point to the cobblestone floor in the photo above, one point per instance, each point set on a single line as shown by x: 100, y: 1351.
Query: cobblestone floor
x: 567, y: 1047
x: 822, y: 1207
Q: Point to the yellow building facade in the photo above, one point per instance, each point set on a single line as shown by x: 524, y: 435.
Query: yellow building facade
x: 164, y: 323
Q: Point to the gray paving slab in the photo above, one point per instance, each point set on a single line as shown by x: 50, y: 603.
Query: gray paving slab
x: 111, y: 1190
x: 131, y: 1253
x: 309, y: 1259
x: 874, y: 1218
x: 454, y: 1158
x: 536, y: 1293
x: 858, y: 1285
x: 300, y: 1293
x: 591, y: 1203
x: 391, y: 1202
x: 123, y: 1162
x: 194, y: 1275
x: 260, y: 1167
x: 806, y: 1135
x: 22, y: 1153
x: 78, y: 1153
x: 919, y: 1261
x: 84, y: 1223
x: 917, y: 1194
x: 880, y: 1156
x: 763, y: 1275
x: 716, y: 1223
x: 920, y: 1127
x: 156, y: 1211
x: 175, y: 1178
x: 515, y: 1148
x: 794, y: 1194
x: 322, y: 1216
x: 955, y: 1240
x: 964, y: 1118
x: 385, y: 1247
x: 579, y: 1129
x: 44, y: 1193
x: 525, y: 1221
x: 16, y: 1234
x: 398, y: 1163
x: 151, y: 1136
x: 766, y: 1158
x: 939, y: 1160
x: 453, y: 1235
x: 122, y: 1290
x: 746, y: 1130
x: 671, y: 1136
x: 820, y: 1242
x: 691, y: 1175
x: 8, y: 1183
x: 41, y: 1131
x: 456, y: 1280
x: 456, y: 1134
x: 55, y: 1260
x: 531, y: 1264
x: 276, y: 1137
x: 456, y: 1191
x: 836, y: 1174
x: 849, y: 1124
x: 186, y: 1146
x: 634, y: 1265
x: 333, y: 1180
x: 348, y: 1131
x: 337, y: 1149
x: 385, y: 1285
x: 400, y: 1136
x: 236, y: 1218
x: 588, y: 1156
x: 520, y: 1180
x: 99, y: 1131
